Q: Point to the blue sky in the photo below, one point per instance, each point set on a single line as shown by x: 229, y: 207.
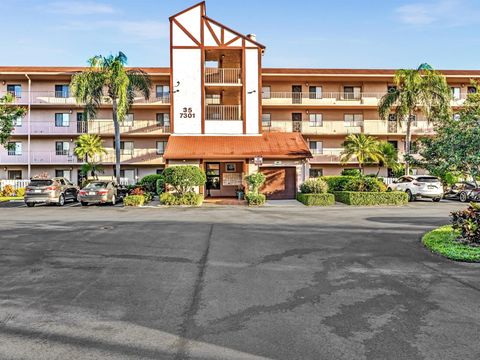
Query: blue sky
x: 308, y: 33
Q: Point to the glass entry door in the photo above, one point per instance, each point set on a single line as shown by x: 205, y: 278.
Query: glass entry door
x: 212, y: 171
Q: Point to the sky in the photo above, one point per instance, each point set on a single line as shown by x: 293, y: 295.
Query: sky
x: 303, y: 34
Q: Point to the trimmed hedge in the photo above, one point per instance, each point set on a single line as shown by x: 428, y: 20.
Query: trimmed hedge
x: 371, y: 198
x: 337, y: 183
x: 316, y: 199
x: 189, y: 198
x: 255, y: 199
x: 134, y: 200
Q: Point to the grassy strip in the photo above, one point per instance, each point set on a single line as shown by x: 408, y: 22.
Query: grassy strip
x: 371, y: 198
x: 316, y: 199
x: 8, y: 198
x: 443, y: 241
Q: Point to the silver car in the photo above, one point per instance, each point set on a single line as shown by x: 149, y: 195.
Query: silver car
x: 50, y: 191
x: 99, y: 192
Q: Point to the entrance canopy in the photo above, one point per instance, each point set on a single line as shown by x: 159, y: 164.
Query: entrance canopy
x: 268, y: 145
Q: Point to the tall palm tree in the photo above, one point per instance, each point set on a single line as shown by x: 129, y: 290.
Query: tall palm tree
x: 363, y: 147
x: 108, y: 80
x: 425, y: 90
x: 389, y: 156
x: 89, y: 145
x: 91, y: 168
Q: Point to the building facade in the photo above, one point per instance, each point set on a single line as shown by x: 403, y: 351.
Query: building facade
x: 215, y: 107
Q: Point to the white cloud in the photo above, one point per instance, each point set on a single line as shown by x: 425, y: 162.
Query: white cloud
x: 415, y: 14
x: 79, y: 8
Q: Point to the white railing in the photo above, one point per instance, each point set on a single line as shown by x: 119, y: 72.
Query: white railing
x: 329, y: 155
x: 16, y: 184
x: 388, y: 180
x: 39, y: 157
x: 223, y: 76
x: 132, y: 156
x: 313, y: 128
x: 223, y: 112
x: 376, y: 127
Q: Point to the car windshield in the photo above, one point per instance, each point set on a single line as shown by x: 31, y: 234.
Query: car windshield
x: 37, y: 183
x: 96, y: 185
x: 427, y: 179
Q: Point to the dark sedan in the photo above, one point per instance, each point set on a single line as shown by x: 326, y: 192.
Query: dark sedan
x: 463, y: 191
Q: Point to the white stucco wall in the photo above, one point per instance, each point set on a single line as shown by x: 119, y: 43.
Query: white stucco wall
x: 252, y: 90
x: 223, y: 127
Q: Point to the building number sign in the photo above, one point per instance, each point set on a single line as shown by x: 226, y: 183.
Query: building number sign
x: 187, y: 113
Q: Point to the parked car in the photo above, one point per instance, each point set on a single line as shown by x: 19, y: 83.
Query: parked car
x: 57, y: 190
x: 419, y: 186
x: 100, y: 192
x: 463, y: 191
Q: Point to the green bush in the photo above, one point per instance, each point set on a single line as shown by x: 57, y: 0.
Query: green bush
x: 468, y: 223
x: 316, y: 199
x: 184, y: 178
x: 134, y: 200
x: 189, y: 198
x: 371, y: 198
x: 336, y: 183
x: 314, y: 186
x: 351, y: 172
x: 255, y: 199
x: 160, y: 186
x: 149, y: 182
x: 20, y: 192
x: 365, y: 184
x: 255, y: 181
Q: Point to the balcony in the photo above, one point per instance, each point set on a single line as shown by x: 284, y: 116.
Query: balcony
x: 329, y: 156
x: 135, y: 156
x: 39, y: 158
x: 310, y: 128
x: 223, y: 112
x: 383, y: 127
x: 223, y: 76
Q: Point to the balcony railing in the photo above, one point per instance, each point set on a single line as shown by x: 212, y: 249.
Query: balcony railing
x: 379, y: 127
x: 223, y: 76
x: 329, y: 155
x: 143, y: 156
x: 223, y: 112
x: 39, y: 157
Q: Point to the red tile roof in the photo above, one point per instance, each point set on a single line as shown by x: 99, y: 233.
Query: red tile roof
x: 269, y: 145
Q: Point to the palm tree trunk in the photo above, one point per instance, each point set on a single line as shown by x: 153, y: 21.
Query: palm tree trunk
x: 117, y: 140
x: 408, y: 140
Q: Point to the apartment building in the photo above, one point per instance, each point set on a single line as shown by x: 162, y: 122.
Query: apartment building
x: 215, y: 107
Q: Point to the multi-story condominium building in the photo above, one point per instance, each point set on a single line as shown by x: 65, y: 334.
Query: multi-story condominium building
x: 215, y: 107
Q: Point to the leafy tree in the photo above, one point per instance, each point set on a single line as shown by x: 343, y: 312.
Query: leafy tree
x: 455, y: 148
x: 255, y: 181
x: 184, y: 178
x: 107, y: 80
x: 91, y: 168
x: 87, y: 146
x: 389, y: 156
x: 423, y: 89
x: 363, y: 147
x: 8, y: 114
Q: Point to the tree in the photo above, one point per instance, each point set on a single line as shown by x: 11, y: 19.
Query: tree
x: 107, y: 79
x: 363, y: 147
x: 87, y: 146
x: 389, y: 156
x: 91, y: 168
x: 8, y: 114
x: 425, y: 90
x: 455, y: 148
x: 184, y: 178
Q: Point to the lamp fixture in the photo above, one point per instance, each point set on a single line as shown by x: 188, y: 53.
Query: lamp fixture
x: 4, y: 168
x: 4, y: 82
x: 253, y: 91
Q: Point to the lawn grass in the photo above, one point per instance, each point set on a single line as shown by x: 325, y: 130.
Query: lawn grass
x: 443, y: 241
x: 8, y: 198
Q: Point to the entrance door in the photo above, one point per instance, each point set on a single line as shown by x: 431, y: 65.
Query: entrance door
x: 129, y: 175
x: 297, y: 122
x: 280, y: 183
x: 296, y: 94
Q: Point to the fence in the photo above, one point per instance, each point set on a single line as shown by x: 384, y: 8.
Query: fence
x: 16, y: 184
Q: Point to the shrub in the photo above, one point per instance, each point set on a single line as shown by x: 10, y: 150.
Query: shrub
x: 149, y: 182
x: 255, y: 199
x: 468, y: 223
x: 336, y: 183
x: 20, y: 192
x: 189, y: 198
x: 184, y: 178
x: 137, y: 191
x: 351, y: 172
x: 134, y: 200
x: 255, y: 181
x: 371, y: 198
x: 8, y: 190
x: 160, y: 186
x: 365, y: 184
x: 314, y: 186
x: 316, y: 199
x: 168, y: 199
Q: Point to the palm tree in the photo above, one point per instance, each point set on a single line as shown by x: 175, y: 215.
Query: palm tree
x: 389, y: 156
x: 107, y: 80
x: 363, y: 147
x: 423, y: 89
x: 91, y: 168
x: 89, y: 145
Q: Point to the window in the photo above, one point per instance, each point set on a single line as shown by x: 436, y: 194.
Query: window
x: 15, y: 90
x: 18, y: 122
x: 213, y: 99
x: 394, y: 143
x: 212, y: 64
x: 62, y: 91
x: 315, y: 173
x: 82, y: 126
x: 67, y: 174
x: 62, y: 148
x: 353, y: 119
x: 14, y: 148
x: 413, y: 120
x: 456, y: 91
x: 162, y: 90
x: 316, y: 119
x: 126, y: 147
x: 163, y: 119
x: 316, y: 147
x: 391, y: 88
x: 161, y: 145
x: 266, y: 120
x: 62, y: 120
x: 159, y: 171
x: 213, y: 176
x: 14, y: 174
x: 352, y: 92
x: 315, y: 92
x: 472, y: 90
x: 128, y: 120
x: 266, y: 92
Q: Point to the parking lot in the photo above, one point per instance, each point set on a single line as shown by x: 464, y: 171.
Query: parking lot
x: 232, y: 283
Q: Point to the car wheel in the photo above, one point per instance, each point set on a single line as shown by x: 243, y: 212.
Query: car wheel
x: 436, y: 199
x: 389, y: 189
x: 30, y: 204
x: 114, y: 200
x: 410, y: 196
x: 61, y: 200
x: 463, y: 197
x: 83, y: 203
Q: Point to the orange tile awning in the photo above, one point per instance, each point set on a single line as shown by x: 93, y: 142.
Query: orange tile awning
x: 269, y: 146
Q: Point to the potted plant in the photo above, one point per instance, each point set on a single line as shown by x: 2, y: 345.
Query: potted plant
x: 240, y: 192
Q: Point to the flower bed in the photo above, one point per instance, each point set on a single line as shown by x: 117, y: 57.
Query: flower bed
x: 371, y: 198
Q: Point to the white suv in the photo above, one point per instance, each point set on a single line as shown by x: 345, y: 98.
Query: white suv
x: 419, y: 186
